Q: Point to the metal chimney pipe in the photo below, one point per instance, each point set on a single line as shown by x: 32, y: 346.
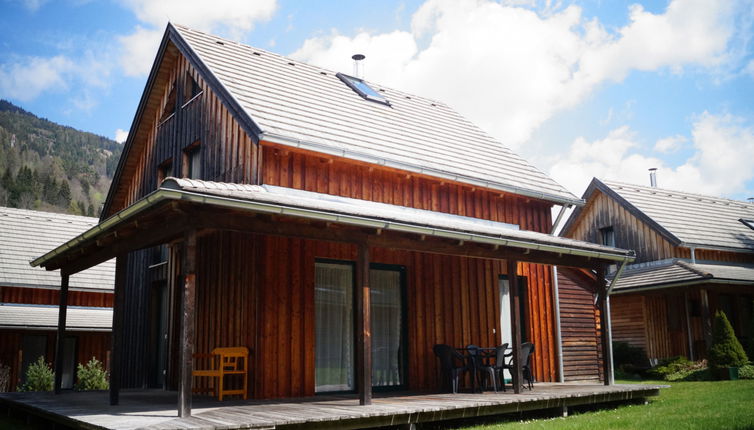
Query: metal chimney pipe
x: 358, y: 66
x: 653, y: 177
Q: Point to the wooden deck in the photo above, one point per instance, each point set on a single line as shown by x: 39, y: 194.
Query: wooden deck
x: 156, y: 409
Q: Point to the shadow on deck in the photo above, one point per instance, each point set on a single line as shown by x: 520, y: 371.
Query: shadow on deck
x: 156, y: 409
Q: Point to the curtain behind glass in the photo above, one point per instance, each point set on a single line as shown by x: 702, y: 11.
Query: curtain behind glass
x: 333, y: 307
x: 386, y: 309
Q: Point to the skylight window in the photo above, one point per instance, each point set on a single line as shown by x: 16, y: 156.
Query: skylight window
x: 363, y: 89
x: 748, y: 223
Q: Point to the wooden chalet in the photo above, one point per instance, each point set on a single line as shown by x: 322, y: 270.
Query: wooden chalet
x: 694, y: 256
x: 29, y: 297
x: 335, y: 227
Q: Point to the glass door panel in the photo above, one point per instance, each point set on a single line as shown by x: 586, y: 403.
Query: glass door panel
x: 387, y: 327
x: 334, y: 325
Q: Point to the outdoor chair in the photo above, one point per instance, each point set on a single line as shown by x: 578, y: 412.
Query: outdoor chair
x: 478, y: 368
x: 226, y: 361
x: 499, y: 366
x: 452, y: 365
x: 527, y: 349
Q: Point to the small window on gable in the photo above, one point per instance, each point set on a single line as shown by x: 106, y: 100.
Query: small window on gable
x: 192, y: 161
x: 748, y: 222
x: 363, y: 89
x: 191, y: 89
x: 169, y: 108
x: 607, y: 236
x: 164, y: 170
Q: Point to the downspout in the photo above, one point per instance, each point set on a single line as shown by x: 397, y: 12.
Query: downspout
x: 556, y: 296
x: 609, y: 327
x: 693, y: 254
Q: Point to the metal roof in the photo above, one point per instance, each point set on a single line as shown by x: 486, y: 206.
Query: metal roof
x: 26, y: 234
x: 301, y: 105
x: 695, y: 219
x: 45, y: 317
x: 381, y: 215
x: 679, y: 272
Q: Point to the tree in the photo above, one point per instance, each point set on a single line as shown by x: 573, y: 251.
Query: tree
x: 64, y: 196
x: 39, y: 377
x: 726, y: 350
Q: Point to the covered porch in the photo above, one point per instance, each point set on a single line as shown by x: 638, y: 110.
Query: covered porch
x: 227, y: 232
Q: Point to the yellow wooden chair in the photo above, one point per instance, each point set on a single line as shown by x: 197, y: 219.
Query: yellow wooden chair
x: 227, y: 361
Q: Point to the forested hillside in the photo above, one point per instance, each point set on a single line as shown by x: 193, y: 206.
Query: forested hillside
x: 50, y: 167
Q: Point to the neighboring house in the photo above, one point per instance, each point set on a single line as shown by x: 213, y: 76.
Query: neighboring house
x: 694, y: 256
x: 337, y: 228
x: 29, y: 296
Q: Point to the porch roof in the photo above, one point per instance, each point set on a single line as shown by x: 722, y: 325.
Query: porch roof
x: 680, y: 273
x: 175, y: 195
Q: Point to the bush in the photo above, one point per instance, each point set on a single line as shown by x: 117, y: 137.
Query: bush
x: 91, y: 376
x: 39, y: 377
x: 726, y: 350
x: 4, y: 378
x: 750, y: 340
x: 628, y: 358
x: 680, y: 369
x: 746, y: 372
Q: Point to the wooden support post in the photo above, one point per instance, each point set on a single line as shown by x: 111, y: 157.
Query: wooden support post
x: 364, y: 327
x: 116, y: 348
x: 517, y: 373
x: 706, y: 318
x: 604, y: 307
x: 689, y: 330
x: 187, y: 324
x: 62, y: 311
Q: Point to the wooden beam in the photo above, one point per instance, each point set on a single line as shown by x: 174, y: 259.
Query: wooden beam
x: 689, y: 331
x: 187, y: 324
x: 364, y: 327
x: 62, y: 311
x: 515, y: 310
x: 116, y: 355
x: 607, y: 359
x: 706, y: 318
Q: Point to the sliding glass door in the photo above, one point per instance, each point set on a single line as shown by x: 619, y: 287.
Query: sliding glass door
x: 334, y: 327
x: 335, y: 324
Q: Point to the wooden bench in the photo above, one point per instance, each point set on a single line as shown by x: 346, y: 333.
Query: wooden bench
x: 226, y: 361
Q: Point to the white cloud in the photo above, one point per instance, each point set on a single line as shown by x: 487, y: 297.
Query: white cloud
x: 26, y: 78
x: 33, y: 5
x: 721, y: 163
x: 121, y: 135
x: 232, y: 18
x: 670, y: 143
x: 509, y: 68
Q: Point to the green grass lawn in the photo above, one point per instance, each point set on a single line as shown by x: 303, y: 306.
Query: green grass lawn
x: 685, y: 405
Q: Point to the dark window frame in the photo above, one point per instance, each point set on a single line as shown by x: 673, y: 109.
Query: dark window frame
x: 189, y: 152
x: 607, y: 236
x: 164, y: 170
x: 747, y: 222
x: 349, y: 80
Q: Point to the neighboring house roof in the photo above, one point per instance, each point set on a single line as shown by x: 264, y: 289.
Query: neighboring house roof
x: 678, y: 272
x: 25, y: 234
x: 685, y: 219
x: 45, y: 317
x: 296, y: 104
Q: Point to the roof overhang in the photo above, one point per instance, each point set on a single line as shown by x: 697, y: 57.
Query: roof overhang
x: 183, y: 205
x: 669, y: 285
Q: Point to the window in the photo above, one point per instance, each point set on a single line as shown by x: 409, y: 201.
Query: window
x: 169, y: 109
x: 164, y: 170
x: 363, y: 89
x: 607, y: 236
x: 748, y: 223
x: 192, y: 161
x: 191, y: 89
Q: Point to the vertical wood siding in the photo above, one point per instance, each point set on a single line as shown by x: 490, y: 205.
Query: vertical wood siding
x: 39, y: 296
x: 580, y: 334
x: 628, y: 320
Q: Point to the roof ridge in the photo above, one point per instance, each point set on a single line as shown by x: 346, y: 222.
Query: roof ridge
x: 319, y: 68
x: 17, y: 212
x: 677, y: 193
x: 691, y: 267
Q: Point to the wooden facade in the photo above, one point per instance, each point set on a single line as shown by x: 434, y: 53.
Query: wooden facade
x: 663, y: 322
x: 580, y: 328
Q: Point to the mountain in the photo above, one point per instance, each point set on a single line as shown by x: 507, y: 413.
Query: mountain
x: 51, y: 167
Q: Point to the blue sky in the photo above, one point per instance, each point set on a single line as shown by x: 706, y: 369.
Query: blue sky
x: 580, y: 89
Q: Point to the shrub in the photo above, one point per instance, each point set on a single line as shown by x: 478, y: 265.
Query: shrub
x: 627, y: 357
x: 726, y: 350
x: 4, y: 377
x: 680, y: 369
x: 746, y: 372
x: 750, y: 340
x: 39, y: 377
x: 91, y: 376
